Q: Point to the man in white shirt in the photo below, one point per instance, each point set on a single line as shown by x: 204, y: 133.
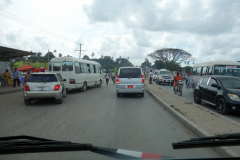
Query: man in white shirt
x: 150, y: 77
x: 113, y: 75
x: 107, y: 77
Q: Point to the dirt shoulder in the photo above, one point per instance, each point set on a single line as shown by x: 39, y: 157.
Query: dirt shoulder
x: 212, y: 123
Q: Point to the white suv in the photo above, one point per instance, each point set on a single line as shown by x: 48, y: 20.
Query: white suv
x: 164, y: 76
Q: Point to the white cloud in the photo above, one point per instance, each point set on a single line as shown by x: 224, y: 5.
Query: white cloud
x: 209, y: 30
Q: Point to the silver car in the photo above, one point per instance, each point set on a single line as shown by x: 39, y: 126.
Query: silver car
x: 44, y: 85
x: 130, y: 80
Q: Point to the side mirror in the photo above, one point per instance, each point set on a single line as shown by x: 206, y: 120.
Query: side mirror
x: 216, y: 86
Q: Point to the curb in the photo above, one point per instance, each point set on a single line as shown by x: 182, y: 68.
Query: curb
x: 222, y: 151
x: 11, y: 91
x: 236, y: 123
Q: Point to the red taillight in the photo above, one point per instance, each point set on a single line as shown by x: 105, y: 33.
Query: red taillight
x: 27, y: 88
x: 56, y: 87
x: 72, y: 81
x: 117, y: 79
x: 142, y: 79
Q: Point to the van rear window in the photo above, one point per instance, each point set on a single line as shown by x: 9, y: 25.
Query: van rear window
x: 130, y: 73
x: 42, y: 78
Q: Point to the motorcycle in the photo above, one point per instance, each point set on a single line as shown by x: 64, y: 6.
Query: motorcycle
x: 178, y: 88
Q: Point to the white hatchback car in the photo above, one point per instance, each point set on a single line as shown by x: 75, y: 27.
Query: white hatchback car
x: 44, y: 85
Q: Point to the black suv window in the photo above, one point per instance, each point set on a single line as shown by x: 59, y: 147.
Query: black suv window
x: 212, y: 81
x: 130, y: 73
x: 205, y: 80
x: 42, y: 78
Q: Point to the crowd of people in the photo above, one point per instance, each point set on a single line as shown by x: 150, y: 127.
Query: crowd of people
x: 12, y: 78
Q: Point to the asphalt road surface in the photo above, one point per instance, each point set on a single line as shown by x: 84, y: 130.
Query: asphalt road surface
x: 188, y: 94
x: 98, y: 117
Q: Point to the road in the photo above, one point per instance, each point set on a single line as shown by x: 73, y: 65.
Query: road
x: 188, y: 94
x: 96, y: 116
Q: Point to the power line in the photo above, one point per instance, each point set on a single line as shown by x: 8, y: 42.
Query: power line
x: 31, y: 25
x: 80, y: 50
x: 34, y: 42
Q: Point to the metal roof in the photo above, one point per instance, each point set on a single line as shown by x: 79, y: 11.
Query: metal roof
x: 8, y: 53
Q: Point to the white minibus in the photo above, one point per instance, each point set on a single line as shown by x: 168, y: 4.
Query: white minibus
x: 228, y: 68
x: 79, y: 73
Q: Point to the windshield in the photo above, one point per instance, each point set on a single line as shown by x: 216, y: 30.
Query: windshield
x: 227, y: 70
x: 231, y: 83
x: 165, y: 73
x: 42, y: 78
x: 130, y: 73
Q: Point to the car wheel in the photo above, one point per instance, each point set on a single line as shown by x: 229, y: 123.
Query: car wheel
x: 221, y: 106
x: 65, y: 92
x: 100, y: 84
x: 59, y: 101
x: 142, y: 94
x: 118, y: 94
x: 84, y: 87
x: 197, y: 97
x: 27, y: 101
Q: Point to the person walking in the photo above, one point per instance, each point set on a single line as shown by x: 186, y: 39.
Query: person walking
x: 113, y: 76
x: 27, y: 77
x: 107, y: 77
x: 150, y: 77
x: 16, y: 78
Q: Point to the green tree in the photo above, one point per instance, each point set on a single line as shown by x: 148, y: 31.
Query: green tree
x: 86, y: 57
x: 170, y: 56
x: 158, y: 64
x: 172, y: 66
x: 146, y: 64
x: 93, y: 54
x: 39, y: 54
x: 188, y: 69
x: 60, y: 55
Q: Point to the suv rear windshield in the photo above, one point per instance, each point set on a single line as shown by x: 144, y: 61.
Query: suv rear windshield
x: 42, y: 78
x: 130, y: 73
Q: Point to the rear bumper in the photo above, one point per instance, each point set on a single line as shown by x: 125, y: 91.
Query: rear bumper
x: 124, y: 89
x: 43, y: 94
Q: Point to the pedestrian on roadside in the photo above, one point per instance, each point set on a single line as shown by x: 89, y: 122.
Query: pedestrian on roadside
x: 3, y: 81
x: 150, y: 77
x: 7, y: 77
x: 113, y: 76
x: 27, y: 77
x: 16, y: 78
x: 107, y: 77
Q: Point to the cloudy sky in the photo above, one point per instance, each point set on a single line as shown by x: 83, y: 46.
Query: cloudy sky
x: 208, y: 29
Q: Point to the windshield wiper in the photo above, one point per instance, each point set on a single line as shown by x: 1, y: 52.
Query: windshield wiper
x: 213, y: 141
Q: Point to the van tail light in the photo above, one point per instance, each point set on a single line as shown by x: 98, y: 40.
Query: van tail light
x: 118, y: 79
x: 72, y: 81
x: 56, y: 87
x: 142, y: 79
x: 27, y: 88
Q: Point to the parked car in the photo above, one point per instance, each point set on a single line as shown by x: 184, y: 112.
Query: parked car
x: 44, y: 85
x: 130, y: 80
x: 223, y: 92
x: 155, y: 76
x: 164, y: 76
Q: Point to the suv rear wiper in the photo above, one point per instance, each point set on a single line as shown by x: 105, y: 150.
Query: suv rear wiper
x: 213, y: 141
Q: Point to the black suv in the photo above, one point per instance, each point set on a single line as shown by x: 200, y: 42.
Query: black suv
x: 221, y: 91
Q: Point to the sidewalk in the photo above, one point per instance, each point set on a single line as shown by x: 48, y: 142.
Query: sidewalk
x: 11, y: 89
x: 201, y: 121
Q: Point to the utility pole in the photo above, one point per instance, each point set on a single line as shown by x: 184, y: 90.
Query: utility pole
x: 48, y: 55
x: 80, y: 50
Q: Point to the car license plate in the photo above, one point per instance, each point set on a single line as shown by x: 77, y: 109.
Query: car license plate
x: 41, y: 88
x: 130, y: 86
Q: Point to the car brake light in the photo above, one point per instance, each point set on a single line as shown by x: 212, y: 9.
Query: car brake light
x: 72, y: 81
x: 27, y: 88
x: 118, y: 79
x: 142, y: 79
x: 56, y: 87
